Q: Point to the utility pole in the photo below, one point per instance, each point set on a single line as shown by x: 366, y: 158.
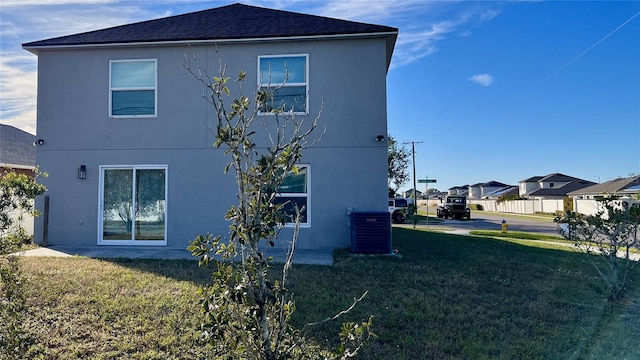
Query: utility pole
x: 413, y: 155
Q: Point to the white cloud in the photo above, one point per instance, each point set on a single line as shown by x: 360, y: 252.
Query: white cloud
x: 26, y: 3
x: 18, y: 89
x: 482, y: 79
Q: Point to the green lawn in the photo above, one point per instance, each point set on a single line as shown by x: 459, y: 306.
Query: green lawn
x: 443, y: 297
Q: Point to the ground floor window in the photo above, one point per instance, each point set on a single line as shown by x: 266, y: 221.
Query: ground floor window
x: 293, y: 191
x: 133, y: 202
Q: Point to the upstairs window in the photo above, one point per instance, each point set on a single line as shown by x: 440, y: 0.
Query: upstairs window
x: 132, y: 88
x: 294, y: 191
x: 284, y: 82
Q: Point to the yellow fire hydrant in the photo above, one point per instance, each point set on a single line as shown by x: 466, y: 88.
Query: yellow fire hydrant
x: 504, y: 226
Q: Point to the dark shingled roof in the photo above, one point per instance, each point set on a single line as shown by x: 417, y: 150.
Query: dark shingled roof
x: 532, y: 179
x: 558, y: 177
x: 493, y: 184
x: 610, y: 187
x: 236, y: 21
x: 16, y: 147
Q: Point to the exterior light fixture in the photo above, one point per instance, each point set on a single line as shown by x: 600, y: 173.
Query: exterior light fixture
x: 82, y: 172
x: 380, y: 138
x: 38, y: 142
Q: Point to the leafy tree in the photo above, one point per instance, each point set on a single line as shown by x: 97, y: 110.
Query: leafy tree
x: 17, y: 192
x: 246, y: 309
x: 507, y: 197
x: 608, y: 238
x: 399, y: 158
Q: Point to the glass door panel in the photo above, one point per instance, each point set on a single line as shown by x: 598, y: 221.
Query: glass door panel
x: 117, y: 204
x: 150, y: 204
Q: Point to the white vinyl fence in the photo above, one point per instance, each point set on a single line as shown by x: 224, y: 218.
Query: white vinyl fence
x: 587, y: 206
x: 522, y: 206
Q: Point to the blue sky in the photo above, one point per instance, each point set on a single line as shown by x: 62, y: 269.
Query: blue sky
x: 493, y: 90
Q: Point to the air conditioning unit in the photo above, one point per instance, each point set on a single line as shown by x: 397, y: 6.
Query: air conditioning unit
x: 371, y: 232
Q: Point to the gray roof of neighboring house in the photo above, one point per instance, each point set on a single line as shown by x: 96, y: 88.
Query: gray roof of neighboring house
x: 225, y: 23
x: 411, y: 191
x: 532, y: 179
x: 557, y: 177
x: 493, y: 184
x: 609, y: 187
x: 16, y: 147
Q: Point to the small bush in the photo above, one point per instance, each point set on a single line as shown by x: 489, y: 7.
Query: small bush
x: 478, y: 207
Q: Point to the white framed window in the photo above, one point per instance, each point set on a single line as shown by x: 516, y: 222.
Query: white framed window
x: 295, y: 190
x: 132, y: 205
x: 284, y: 81
x: 133, y: 88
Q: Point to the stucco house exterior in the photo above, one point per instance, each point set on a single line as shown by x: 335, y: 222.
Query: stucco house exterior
x: 125, y: 129
x: 475, y: 191
x: 528, y: 185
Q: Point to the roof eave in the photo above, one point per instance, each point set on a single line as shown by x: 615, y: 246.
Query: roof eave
x: 390, y: 38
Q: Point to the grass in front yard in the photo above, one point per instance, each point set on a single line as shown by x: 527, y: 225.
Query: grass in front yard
x: 443, y: 297
x: 422, y: 219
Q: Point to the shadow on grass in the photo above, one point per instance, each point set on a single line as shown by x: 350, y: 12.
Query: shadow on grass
x: 177, y: 269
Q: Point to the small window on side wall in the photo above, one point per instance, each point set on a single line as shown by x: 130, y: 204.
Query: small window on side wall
x: 294, y: 191
x: 133, y: 88
x: 283, y: 83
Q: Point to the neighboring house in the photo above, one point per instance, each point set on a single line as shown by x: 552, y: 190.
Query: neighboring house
x: 17, y: 150
x: 127, y: 141
x: 503, y: 191
x: 552, y: 186
x: 458, y: 190
x: 409, y: 193
x: 528, y: 185
x: 489, y: 187
x: 475, y: 192
x: 621, y: 186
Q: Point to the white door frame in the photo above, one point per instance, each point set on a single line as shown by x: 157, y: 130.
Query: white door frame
x: 101, y: 240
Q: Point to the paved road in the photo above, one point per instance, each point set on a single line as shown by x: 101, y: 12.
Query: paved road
x: 489, y: 221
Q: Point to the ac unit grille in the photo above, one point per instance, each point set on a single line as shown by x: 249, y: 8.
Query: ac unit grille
x: 371, y: 232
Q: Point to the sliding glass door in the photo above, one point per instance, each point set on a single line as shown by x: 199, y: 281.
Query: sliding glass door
x: 133, y: 205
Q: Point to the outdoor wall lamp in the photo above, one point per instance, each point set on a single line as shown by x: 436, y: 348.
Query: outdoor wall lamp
x: 38, y: 142
x: 380, y: 138
x: 82, y: 172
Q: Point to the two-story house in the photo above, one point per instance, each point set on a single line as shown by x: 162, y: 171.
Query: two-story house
x: 125, y: 131
x: 552, y: 186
